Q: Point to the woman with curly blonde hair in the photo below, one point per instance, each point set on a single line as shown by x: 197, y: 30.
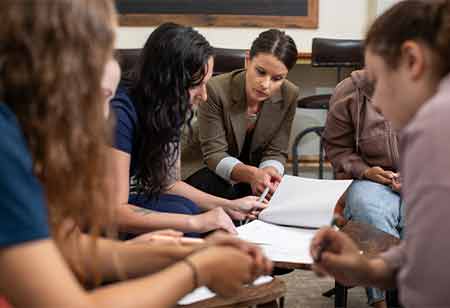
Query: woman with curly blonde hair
x: 55, y: 202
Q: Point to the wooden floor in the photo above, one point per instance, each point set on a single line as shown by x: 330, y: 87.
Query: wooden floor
x: 304, y: 290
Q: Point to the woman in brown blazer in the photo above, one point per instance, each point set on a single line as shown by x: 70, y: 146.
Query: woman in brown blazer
x: 245, y: 124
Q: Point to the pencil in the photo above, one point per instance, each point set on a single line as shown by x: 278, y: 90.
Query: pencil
x: 326, y: 243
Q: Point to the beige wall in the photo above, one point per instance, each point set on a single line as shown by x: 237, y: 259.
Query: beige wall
x: 337, y: 19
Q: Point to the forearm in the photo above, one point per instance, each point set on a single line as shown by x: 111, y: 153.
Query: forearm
x: 119, y: 260
x: 163, y: 289
x: 242, y: 173
x: 134, y: 219
x: 203, y: 200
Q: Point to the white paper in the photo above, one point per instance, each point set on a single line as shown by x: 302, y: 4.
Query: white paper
x: 279, y: 243
x: 304, y: 202
x: 203, y: 293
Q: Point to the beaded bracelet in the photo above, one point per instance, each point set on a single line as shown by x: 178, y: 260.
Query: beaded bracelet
x: 194, y: 272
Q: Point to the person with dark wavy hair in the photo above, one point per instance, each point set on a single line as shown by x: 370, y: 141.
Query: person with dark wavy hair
x: 151, y: 108
x: 244, y: 126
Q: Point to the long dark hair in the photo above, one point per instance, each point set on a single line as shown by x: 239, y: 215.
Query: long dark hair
x: 425, y: 21
x: 173, y: 60
x: 278, y: 44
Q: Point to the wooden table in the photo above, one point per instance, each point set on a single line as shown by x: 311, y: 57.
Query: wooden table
x: 266, y: 295
x: 371, y: 241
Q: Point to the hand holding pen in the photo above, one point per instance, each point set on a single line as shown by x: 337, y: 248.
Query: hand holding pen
x: 261, y: 199
x: 396, y: 184
x: 335, y: 254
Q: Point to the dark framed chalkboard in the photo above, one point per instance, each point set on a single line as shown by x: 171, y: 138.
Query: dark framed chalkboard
x: 232, y: 13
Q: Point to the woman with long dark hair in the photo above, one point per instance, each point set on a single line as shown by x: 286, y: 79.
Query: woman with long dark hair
x: 408, y: 59
x: 169, y: 78
x: 55, y: 179
x: 244, y: 126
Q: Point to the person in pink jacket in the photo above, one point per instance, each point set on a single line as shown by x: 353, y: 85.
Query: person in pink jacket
x: 408, y: 60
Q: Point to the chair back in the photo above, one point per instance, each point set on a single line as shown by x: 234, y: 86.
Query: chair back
x: 225, y: 59
x: 337, y: 53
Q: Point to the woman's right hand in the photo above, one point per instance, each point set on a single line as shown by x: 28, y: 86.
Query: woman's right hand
x: 223, y: 269
x: 265, y: 177
x: 379, y: 175
x: 339, y: 257
x: 215, y: 219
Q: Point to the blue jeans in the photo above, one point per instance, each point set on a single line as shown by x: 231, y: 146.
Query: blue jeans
x: 377, y: 205
x: 167, y: 203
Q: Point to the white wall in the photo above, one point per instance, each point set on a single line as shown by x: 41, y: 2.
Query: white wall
x: 337, y: 18
x: 383, y: 5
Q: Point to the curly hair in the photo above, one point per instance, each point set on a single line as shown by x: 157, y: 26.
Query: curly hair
x: 173, y: 60
x: 52, y: 57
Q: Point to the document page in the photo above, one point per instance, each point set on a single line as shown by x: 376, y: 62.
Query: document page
x: 304, y: 202
x: 279, y: 243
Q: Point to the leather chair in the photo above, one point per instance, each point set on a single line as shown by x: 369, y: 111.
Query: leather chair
x: 337, y: 53
x: 225, y: 59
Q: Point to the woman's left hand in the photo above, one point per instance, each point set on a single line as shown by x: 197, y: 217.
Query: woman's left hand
x: 249, y: 204
x: 246, y: 208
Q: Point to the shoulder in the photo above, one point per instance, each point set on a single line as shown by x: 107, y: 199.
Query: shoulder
x: 290, y: 92
x: 344, y: 92
x: 12, y: 142
x: 223, y: 84
x: 24, y: 216
x: 122, y: 106
x: 432, y: 118
x: 423, y: 138
x: 222, y: 80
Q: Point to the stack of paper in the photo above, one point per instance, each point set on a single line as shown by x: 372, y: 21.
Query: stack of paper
x: 303, y: 202
x: 298, y: 207
x: 280, y: 244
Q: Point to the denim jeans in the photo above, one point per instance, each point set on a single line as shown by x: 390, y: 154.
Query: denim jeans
x: 377, y: 205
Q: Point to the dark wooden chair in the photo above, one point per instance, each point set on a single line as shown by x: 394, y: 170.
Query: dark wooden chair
x: 372, y: 242
x: 327, y: 53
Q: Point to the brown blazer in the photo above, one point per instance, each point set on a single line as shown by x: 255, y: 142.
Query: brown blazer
x: 223, y: 121
x: 357, y: 136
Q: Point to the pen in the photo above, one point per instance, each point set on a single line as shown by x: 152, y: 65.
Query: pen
x: 260, y: 199
x: 324, y: 245
x: 264, y: 194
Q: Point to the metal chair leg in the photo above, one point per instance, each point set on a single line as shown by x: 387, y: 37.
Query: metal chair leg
x: 340, y: 299
x: 329, y: 293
